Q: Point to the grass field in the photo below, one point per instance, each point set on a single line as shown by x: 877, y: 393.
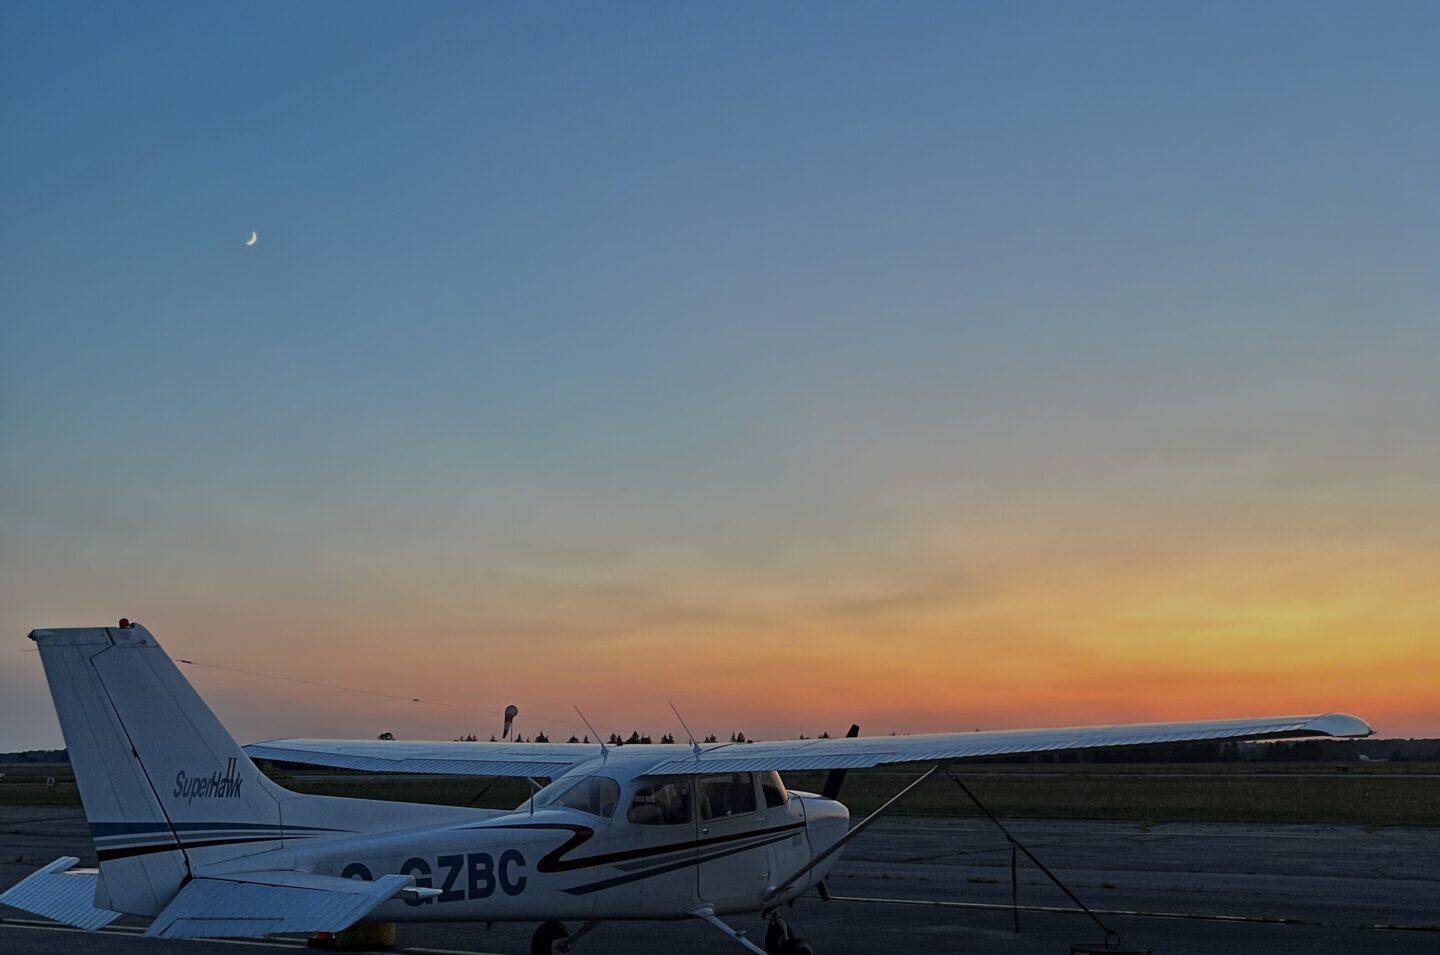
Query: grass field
x: 1365, y: 794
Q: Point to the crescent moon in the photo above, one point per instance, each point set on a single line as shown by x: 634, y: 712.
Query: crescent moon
x: 254, y: 237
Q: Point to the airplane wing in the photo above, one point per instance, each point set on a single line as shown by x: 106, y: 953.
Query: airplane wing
x: 430, y: 758
x: 861, y: 752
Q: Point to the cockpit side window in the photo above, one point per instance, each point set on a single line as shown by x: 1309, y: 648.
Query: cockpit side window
x: 730, y: 795
x: 661, y: 804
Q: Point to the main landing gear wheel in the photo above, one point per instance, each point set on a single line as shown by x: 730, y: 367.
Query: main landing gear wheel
x: 780, y: 941
x: 775, y: 935
x: 550, y: 938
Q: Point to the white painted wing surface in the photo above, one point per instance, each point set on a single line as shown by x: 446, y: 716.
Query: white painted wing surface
x: 429, y: 757
x: 60, y: 892
x: 271, y: 903
x: 867, y: 751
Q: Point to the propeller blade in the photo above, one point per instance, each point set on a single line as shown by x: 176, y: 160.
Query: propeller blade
x: 836, y: 779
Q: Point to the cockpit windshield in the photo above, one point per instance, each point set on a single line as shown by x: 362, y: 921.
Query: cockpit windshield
x: 596, y: 795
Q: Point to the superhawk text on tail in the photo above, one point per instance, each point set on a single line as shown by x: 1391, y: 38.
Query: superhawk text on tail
x: 190, y: 834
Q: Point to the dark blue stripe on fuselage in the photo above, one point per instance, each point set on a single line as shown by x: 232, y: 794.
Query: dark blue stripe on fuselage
x: 661, y: 870
x: 106, y: 829
x: 121, y: 840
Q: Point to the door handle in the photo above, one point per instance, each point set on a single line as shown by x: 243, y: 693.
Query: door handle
x: 704, y: 830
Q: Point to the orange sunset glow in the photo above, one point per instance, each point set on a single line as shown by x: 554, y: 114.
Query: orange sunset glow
x: 1019, y: 638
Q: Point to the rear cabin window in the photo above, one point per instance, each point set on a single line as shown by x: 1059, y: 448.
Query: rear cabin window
x: 729, y: 795
x: 661, y: 804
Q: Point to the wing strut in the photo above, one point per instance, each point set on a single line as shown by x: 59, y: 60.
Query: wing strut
x: 773, y: 893
x: 1112, y: 937
x: 707, y: 913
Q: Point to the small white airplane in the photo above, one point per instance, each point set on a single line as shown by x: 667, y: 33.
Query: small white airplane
x: 190, y: 834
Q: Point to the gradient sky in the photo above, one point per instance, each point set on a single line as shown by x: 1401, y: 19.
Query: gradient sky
x: 931, y: 366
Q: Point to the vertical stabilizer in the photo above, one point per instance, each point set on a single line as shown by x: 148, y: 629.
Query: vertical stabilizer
x: 165, y: 787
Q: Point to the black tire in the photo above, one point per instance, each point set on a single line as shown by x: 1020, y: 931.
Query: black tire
x: 775, y: 935
x: 545, y: 937
x: 796, y: 946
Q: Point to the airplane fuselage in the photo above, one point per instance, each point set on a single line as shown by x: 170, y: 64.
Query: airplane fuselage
x: 565, y: 864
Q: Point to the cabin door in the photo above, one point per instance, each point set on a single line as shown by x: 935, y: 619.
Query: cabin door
x: 734, y: 866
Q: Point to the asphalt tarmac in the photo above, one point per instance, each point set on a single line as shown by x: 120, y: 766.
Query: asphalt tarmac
x: 943, y: 885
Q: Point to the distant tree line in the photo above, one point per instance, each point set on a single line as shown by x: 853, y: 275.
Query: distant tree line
x: 36, y: 756
x: 636, y: 738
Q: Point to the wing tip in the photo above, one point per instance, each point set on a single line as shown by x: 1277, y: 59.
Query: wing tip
x: 1341, y: 725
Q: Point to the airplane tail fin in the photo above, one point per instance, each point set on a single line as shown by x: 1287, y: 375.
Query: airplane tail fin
x: 168, y: 793
x: 165, y: 787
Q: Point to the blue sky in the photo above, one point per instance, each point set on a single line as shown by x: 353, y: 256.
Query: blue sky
x: 643, y: 330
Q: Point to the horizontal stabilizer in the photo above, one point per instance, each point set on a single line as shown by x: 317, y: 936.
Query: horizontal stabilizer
x: 272, y: 903
x: 60, y: 892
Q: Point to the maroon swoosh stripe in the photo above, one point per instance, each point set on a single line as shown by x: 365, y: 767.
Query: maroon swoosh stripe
x: 554, y: 861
